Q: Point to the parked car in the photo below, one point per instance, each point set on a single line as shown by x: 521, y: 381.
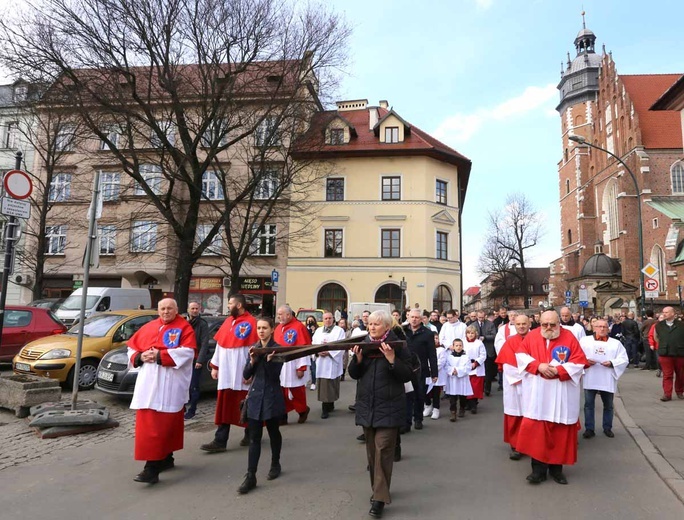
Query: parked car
x: 101, y: 299
x: 55, y: 356
x: 115, y: 378
x: 48, y: 303
x: 24, y: 324
x: 303, y: 314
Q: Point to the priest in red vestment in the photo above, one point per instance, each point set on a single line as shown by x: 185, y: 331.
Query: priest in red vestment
x: 233, y: 340
x: 164, y: 350
x: 551, y: 362
x: 512, y: 389
x: 291, y: 332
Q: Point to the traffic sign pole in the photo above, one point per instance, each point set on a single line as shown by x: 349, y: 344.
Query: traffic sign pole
x: 9, y: 257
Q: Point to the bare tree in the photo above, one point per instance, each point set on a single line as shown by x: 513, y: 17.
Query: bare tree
x: 512, y: 232
x: 181, y: 86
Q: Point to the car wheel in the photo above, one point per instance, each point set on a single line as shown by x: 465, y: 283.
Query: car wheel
x: 87, y: 375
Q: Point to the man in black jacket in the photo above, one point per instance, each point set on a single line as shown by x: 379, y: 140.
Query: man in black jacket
x: 201, y: 329
x: 420, y: 341
x: 631, y: 338
x: 487, y: 332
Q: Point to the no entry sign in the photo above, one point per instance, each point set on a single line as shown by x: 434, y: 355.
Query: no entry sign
x: 18, y: 184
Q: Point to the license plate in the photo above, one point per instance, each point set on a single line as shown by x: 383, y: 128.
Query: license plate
x: 23, y: 366
x: 105, y: 376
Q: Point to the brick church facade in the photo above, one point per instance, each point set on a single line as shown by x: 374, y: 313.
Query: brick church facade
x: 598, y: 200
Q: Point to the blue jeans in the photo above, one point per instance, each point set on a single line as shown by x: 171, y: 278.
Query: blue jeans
x: 632, y: 348
x: 589, y: 400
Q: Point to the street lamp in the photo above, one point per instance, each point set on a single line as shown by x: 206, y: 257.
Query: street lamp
x: 640, y: 227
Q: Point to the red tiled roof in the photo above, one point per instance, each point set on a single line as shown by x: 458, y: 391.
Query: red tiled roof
x: 658, y: 129
x: 472, y: 291
x: 367, y: 144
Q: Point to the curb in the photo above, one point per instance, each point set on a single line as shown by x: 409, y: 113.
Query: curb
x: 659, y: 463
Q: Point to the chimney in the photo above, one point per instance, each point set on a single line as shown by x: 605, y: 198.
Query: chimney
x: 383, y: 103
x: 372, y: 117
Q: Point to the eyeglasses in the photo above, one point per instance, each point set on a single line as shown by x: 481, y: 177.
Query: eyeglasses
x: 549, y: 325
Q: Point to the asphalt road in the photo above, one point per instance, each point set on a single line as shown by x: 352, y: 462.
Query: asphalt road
x: 449, y: 470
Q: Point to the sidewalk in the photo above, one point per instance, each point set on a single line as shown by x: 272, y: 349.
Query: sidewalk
x: 657, y: 427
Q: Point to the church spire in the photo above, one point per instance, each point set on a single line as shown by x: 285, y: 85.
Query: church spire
x: 584, y: 43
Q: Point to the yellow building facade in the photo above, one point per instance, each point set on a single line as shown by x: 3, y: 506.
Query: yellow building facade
x: 388, y: 216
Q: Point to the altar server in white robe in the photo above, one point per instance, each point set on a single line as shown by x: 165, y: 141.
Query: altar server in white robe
x: 328, y: 364
x: 607, y: 360
x: 458, y: 368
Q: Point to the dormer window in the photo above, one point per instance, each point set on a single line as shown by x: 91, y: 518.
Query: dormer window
x: 337, y: 136
x: 392, y: 134
x: 20, y: 93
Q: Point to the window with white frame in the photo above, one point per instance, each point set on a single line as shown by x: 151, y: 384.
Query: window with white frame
x: 169, y: 132
x: 55, y: 239
x: 337, y: 136
x: 143, y: 236
x: 113, y: 135
x: 268, y: 184
x: 264, y: 243
x: 333, y: 243
x: 152, y: 176
x: 216, y: 134
x: 20, y: 93
x: 107, y: 236
x: 215, y: 247
x: 392, y: 134
x: 64, y: 140
x: 110, y: 185
x: 11, y: 137
x: 211, y: 186
x: 677, y: 175
x: 267, y: 132
x: 60, y: 187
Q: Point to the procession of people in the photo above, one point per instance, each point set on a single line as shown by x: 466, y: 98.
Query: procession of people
x: 402, y: 371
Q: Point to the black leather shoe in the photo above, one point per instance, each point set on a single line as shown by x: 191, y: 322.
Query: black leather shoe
x: 533, y: 478
x: 609, y: 433
x: 418, y: 426
x: 376, y: 508
x: 213, y: 447
x: 304, y: 416
x: 361, y: 437
x: 248, y: 484
x: 588, y: 434
x: 147, y: 476
x: 352, y: 407
x: 487, y: 393
x: 274, y: 472
x: 515, y: 455
x: 325, y: 414
x: 559, y: 478
x: 244, y: 441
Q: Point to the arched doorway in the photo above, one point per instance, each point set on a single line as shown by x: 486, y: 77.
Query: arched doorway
x: 331, y: 296
x: 441, y: 299
x: 390, y: 293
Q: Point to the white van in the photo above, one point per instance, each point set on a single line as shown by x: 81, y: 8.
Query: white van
x: 102, y: 299
x: 357, y: 308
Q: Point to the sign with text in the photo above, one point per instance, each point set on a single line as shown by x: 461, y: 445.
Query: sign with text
x: 15, y: 208
x: 255, y: 283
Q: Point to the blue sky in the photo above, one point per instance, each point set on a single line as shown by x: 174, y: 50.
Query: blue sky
x: 481, y: 75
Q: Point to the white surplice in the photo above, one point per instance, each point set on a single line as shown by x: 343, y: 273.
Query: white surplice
x: 329, y: 367
x: 598, y: 377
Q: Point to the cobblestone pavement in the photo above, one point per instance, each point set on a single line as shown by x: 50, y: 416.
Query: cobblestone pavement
x: 22, y: 444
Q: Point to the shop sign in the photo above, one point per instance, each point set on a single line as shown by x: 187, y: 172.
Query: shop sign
x: 255, y: 283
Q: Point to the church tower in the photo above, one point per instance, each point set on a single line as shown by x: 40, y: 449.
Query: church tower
x: 578, y: 87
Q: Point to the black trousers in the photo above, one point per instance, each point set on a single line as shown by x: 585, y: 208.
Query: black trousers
x: 491, y: 373
x: 433, y: 397
x: 415, y: 400
x: 540, y: 468
x: 455, y: 401
x: 256, y: 432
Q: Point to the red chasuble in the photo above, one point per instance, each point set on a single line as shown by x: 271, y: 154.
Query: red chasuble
x: 157, y: 433
x: 235, y: 333
x: 548, y: 431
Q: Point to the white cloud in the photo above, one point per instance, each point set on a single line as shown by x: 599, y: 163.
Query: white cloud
x: 484, y: 4
x: 459, y: 128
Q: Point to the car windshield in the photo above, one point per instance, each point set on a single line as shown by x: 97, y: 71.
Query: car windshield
x: 97, y: 326
x: 73, y: 303
x: 303, y: 315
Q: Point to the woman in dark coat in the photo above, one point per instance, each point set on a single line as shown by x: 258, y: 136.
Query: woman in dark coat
x: 265, y: 404
x: 380, y: 402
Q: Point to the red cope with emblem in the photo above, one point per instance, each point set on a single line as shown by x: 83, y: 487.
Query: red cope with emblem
x: 163, y: 336
x: 292, y: 334
x: 237, y: 332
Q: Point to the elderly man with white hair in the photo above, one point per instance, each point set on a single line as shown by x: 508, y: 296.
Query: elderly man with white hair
x: 551, y: 362
x: 164, y: 351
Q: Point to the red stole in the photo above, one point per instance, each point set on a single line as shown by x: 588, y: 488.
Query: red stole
x: 291, y: 334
